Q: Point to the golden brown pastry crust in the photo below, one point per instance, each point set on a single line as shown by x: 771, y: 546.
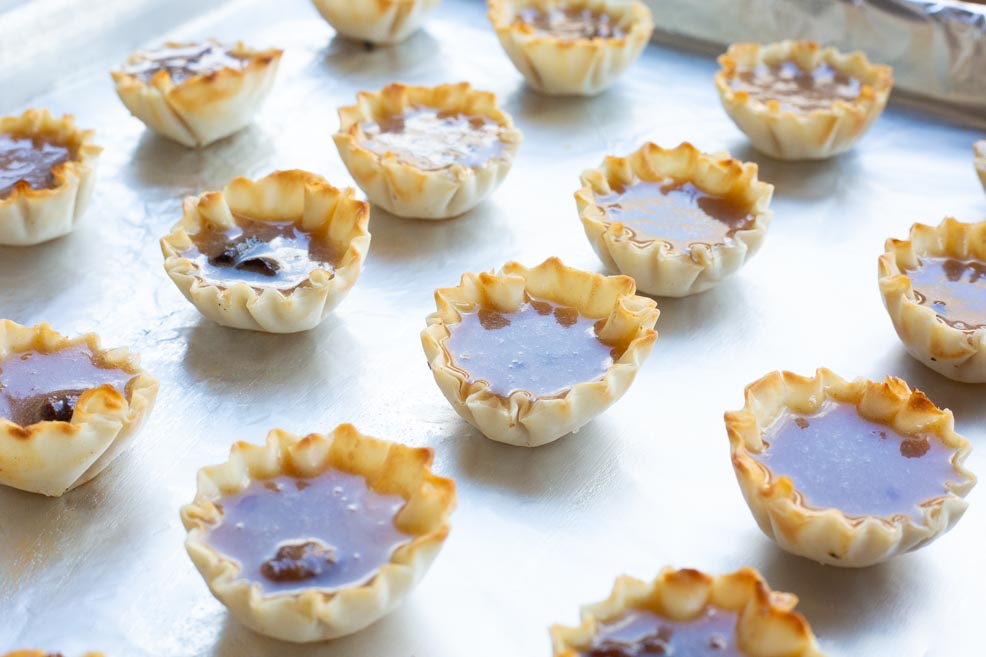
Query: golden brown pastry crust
x: 766, y: 626
x: 583, y: 67
x: 829, y: 536
x: 333, y: 215
x: 658, y: 269
x: 522, y: 418
x: 815, y: 135
x: 203, y: 108
x: 314, y: 615
x: 404, y: 189
x: 377, y: 21
x: 30, y: 216
x: 979, y: 149
x: 54, y: 457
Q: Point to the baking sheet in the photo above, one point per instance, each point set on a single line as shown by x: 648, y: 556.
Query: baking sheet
x: 538, y: 532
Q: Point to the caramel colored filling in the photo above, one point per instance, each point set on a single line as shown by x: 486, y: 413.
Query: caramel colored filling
x: 432, y: 139
x: 37, y: 386
x: 954, y: 289
x: 328, y: 532
x: 30, y: 160
x: 795, y: 89
x: 571, y: 23
x: 643, y: 633
x: 184, y: 62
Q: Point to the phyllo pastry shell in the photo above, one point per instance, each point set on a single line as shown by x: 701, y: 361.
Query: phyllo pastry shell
x: 889, y: 421
x: 789, y: 127
x: 312, y: 614
x: 377, y: 21
x: 571, y: 47
x: 331, y: 219
x: 91, y: 425
x: 980, y: 161
x: 206, y: 93
x: 424, y: 173
x: 686, y: 265
x: 64, y: 165
x: 738, y: 613
x: 950, y: 259
x: 603, y: 309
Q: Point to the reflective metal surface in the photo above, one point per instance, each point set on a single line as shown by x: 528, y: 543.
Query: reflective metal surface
x: 538, y: 532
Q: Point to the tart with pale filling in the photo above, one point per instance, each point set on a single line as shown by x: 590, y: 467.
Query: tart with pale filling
x: 571, y: 47
x: 275, y: 255
x: 677, y: 220
x: 378, y: 21
x: 427, y: 152
x: 308, y: 538
x: 47, y: 174
x: 67, y: 407
x: 688, y: 613
x: 798, y: 101
x: 530, y: 355
x: 979, y: 149
x: 934, y: 287
x: 848, y: 473
x: 196, y: 93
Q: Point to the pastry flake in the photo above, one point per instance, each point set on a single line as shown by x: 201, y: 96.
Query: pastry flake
x: 603, y: 307
x: 196, y: 93
x: 296, y: 295
x: 55, y: 174
x: 382, y: 22
x: 897, y: 426
x: 427, y: 152
x: 52, y: 441
x: 310, y: 613
x: 677, y: 220
x: 737, y: 614
x: 934, y: 287
x: 571, y: 47
x: 798, y: 101
x: 979, y: 149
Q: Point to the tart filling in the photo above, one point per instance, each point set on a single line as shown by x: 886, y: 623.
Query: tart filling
x: 196, y: 93
x: 677, y: 220
x: 934, y: 287
x: 47, y: 173
x: 796, y: 100
x: 847, y: 473
x: 686, y: 612
x: 314, y: 537
x: 382, y: 22
x: 67, y: 407
x: 427, y: 152
x: 529, y: 355
x: 274, y: 255
x: 571, y: 47
x: 979, y: 150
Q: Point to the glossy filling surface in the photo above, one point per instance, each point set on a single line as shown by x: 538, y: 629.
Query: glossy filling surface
x: 30, y: 160
x: 570, y: 23
x: 542, y: 348
x: 795, y: 89
x: 954, y: 289
x: 37, y: 386
x: 327, y: 532
x: 838, y: 459
x: 431, y: 139
x: 677, y: 213
x: 183, y: 62
x: 262, y: 254
x: 642, y: 633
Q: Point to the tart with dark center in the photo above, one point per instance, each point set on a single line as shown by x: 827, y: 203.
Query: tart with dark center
x: 382, y: 22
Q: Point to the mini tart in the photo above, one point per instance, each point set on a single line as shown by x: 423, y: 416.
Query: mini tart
x: 404, y: 189
x: 567, y: 67
x: 30, y: 216
x: 377, y: 21
x: 828, y: 535
x: 51, y: 457
x: 979, y: 149
x: 657, y: 268
x: 314, y: 615
x: 814, y: 135
x: 328, y: 214
x: 203, y: 108
x: 958, y: 353
x: 766, y: 623
x: 523, y: 418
